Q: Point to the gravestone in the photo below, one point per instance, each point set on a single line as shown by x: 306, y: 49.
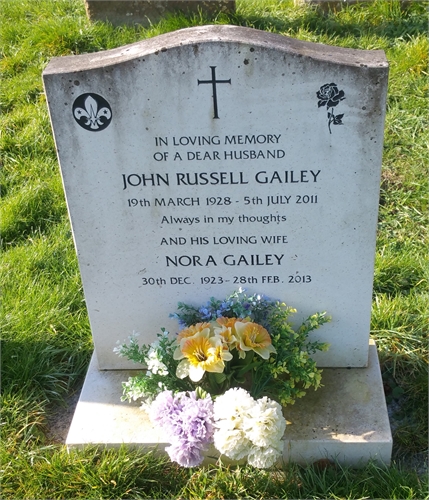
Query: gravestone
x: 148, y: 12
x: 220, y: 157
x: 212, y: 158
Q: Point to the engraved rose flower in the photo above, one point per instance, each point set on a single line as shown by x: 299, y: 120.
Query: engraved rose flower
x: 330, y: 96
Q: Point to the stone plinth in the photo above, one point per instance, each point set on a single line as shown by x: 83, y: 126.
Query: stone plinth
x: 345, y: 420
x: 147, y: 12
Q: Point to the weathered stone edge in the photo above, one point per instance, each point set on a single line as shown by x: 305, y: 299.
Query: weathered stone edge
x: 216, y: 34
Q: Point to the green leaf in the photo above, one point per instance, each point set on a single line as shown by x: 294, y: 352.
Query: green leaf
x: 397, y: 392
x: 219, y: 377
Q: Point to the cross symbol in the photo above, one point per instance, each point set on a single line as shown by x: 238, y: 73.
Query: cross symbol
x: 213, y: 81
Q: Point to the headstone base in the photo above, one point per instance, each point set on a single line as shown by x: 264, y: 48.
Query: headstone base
x: 345, y: 420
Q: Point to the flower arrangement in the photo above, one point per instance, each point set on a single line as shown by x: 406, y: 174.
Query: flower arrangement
x: 224, y: 376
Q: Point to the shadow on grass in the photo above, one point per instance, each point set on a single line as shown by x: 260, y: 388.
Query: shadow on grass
x: 43, y: 370
x: 392, y: 22
x: 35, y: 374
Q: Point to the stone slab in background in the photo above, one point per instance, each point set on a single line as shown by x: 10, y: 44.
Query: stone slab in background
x: 345, y: 420
x: 147, y: 12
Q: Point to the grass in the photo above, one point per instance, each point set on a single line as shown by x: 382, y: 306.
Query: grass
x: 95, y: 474
x: 46, y: 340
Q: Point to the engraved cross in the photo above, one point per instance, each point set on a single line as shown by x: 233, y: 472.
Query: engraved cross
x: 213, y: 81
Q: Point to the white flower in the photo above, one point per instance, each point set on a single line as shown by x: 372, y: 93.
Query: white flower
x: 121, y: 349
x: 232, y: 443
x: 131, y: 391
x: 118, y: 349
x: 262, y: 458
x: 244, y: 426
x: 232, y: 408
x: 154, y: 363
x: 230, y: 412
x: 266, y: 424
x: 146, y: 404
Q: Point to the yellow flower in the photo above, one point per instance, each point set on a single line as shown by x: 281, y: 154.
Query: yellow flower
x: 230, y: 322
x: 227, y: 337
x: 224, y: 327
x: 227, y: 330
x: 201, y: 353
x: 254, y: 337
x: 189, y: 332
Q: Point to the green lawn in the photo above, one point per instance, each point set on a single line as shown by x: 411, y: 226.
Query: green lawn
x: 46, y: 339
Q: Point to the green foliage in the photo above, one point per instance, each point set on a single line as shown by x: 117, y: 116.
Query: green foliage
x: 292, y: 370
x: 44, y: 318
x: 148, y: 384
x: 286, y: 376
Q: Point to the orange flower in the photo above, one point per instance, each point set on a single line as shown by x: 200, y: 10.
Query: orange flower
x: 191, y: 330
x: 230, y: 322
x: 254, y: 337
x: 227, y: 331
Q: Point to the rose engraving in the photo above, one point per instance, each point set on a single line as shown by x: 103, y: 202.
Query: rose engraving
x: 330, y: 96
x: 92, y: 112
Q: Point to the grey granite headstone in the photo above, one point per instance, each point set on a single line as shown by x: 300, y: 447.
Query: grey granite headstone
x: 220, y: 157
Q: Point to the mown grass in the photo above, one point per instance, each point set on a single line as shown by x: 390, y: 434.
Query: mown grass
x: 117, y: 474
x: 46, y: 341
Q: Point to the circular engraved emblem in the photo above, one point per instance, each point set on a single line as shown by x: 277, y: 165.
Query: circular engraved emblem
x: 92, y: 112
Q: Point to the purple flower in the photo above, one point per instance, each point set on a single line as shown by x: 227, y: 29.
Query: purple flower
x: 188, y: 423
x: 182, y: 323
x: 205, y: 313
x: 197, y: 419
x: 166, y: 411
x: 184, y: 453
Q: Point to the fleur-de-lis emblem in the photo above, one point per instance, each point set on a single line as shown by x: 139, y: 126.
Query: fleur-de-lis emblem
x: 92, y: 112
